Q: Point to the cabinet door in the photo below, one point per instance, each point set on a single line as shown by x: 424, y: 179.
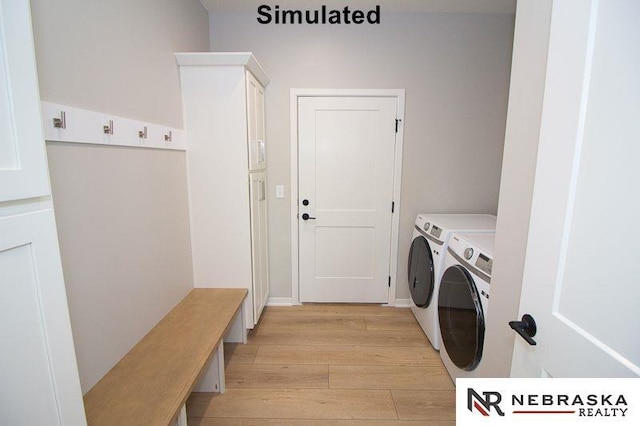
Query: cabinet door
x: 255, y: 124
x: 38, y: 372
x: 40, y: 384
x: 23, y: 167
x: 259, y: 242
x: 264, y: 244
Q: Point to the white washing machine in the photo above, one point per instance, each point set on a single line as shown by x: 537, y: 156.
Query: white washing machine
x: 463, y: 302
x: 426, y: 260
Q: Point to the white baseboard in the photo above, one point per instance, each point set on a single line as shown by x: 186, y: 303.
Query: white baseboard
x: 286, y: 301
x: 403, y: 303
x: 279, y: 301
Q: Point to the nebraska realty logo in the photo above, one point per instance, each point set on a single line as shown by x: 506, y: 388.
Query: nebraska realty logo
x: 483, y: 405
x: 575, y: 401
x: 589, y: 405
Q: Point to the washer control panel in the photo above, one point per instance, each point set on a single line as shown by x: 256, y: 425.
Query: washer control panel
x: 484, y: 263
x: 436, y: 231
x: 474, y: 249
x: 429, y: 229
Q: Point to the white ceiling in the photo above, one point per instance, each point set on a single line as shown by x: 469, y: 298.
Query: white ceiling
x: 396, y: 6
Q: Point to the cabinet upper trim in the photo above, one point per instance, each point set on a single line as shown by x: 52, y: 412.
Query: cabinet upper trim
x: 245, y: 59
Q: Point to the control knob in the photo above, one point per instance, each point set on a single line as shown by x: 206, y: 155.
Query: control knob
x: 426, y: 226
x: 468, y: 253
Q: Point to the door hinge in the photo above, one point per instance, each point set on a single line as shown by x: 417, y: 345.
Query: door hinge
x: 397, y: 122
x: 389, y: 281
x: 393, y: 206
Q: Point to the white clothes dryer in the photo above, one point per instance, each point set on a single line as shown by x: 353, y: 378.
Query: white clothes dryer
x: 426, y: 260
x: 463, y: 302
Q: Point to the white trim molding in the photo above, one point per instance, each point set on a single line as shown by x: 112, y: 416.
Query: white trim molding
x: 403, y: 303
x: 279, y: 301
x: 63, y: 123
x: 399, y: 95
x: 245, y: 59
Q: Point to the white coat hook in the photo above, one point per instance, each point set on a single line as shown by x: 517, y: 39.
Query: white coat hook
x: 168, y: 137
x: 143, y: 133
x: 108, y: 130
x: 60, y: 123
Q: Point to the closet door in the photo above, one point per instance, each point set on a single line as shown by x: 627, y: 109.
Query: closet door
x: 23, y: 167
x: 259, y: 255
x: 255, y: 124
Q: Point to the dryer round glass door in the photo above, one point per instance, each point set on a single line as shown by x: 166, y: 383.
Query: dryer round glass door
x: 462, y: 322
x: 420, y: 272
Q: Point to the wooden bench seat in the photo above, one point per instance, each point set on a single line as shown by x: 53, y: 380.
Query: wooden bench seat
x: 151, y: 384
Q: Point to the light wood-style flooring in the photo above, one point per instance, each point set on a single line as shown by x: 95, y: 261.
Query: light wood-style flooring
x: 326, y: 365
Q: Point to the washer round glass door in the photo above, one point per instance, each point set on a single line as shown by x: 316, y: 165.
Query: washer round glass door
x: 462, y: 322
x: 420, y: 272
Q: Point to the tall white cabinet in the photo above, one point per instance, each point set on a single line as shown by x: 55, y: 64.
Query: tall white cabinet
x: 38, y: 370
x: 224, y: 115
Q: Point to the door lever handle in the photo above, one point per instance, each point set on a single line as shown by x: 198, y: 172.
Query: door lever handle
x: 525, y: 328
x: 306, y: 216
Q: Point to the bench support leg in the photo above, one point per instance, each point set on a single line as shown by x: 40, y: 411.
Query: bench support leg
x: 220, y: 360
x: 181, y: 420
x: 212, y: 378
x: 238, y: 331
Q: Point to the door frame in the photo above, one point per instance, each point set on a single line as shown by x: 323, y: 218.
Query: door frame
x: 399, y: 95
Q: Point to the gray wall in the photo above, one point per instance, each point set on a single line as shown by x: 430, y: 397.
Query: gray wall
x: 122, y: 213
x: 116, y: 56
x: 455, y: 69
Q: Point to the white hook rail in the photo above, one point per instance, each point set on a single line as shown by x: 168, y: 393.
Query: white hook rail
x: 63, y: 123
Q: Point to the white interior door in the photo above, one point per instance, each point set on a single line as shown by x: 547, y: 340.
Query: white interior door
x: 345, y: 187
x: 581, y: 273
